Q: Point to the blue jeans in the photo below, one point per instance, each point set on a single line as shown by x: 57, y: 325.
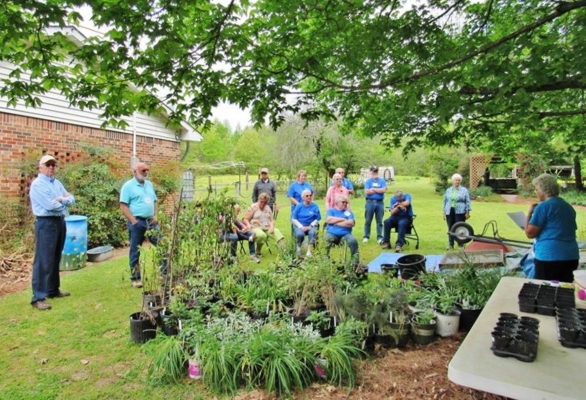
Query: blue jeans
x: 50, y: 238
x: 348, y: 238
x: 374, y: 209
x: 137, y: 234
x: 234, y: 238
x: 400, y: 224
x: 300, y: 235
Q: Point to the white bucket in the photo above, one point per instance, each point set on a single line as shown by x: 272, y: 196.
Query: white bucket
x: 580, y: 285
x: 447, y: 325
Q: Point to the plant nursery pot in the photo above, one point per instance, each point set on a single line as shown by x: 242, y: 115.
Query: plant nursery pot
x: 411, y: 265
x: 152, y: 300
x: 423, y: 333
x: 142, y: 329
x: 390, y: 269
x: 194, y: 369
x: 400, y: 336
x: 468, y: 318
x: 169, y: 323
x: 447, y: 325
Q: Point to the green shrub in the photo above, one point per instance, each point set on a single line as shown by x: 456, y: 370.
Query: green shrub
x: 481, y: 191
x: 97, y: 193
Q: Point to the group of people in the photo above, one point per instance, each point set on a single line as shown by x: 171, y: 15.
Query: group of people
x: 551, y: 223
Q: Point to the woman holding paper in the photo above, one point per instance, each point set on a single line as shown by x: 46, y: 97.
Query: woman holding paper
x: 552, y: 223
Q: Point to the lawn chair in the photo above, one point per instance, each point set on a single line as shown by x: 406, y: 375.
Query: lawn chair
x: 411, y: 234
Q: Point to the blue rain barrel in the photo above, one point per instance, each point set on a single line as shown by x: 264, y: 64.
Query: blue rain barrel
x: 75, y: 248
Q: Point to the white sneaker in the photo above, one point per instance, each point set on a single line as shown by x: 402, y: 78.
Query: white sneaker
x: 255, y: 258
x: 308, y: 254
x: 380, y: 241
x: 298, y: 251
x: 365, y: 240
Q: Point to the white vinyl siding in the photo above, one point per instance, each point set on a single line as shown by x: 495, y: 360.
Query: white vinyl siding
x: 55, y: 107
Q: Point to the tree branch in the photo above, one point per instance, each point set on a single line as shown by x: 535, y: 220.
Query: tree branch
x: 569, y: 113
x: 575, y: 82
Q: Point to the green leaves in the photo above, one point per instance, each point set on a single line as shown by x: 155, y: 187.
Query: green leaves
x: 439, y: 73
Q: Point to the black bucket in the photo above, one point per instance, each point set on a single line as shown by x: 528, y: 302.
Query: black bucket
x: 411, y: 265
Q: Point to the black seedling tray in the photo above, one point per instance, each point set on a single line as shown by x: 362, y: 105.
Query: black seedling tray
x: 520, y: 357
x: 515, y: 337
x: 544, y: 299
x: 571, y: 322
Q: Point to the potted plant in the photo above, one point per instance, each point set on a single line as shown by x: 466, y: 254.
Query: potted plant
x: 443, y: 298
x: 400, y: 322
x: 474, y: 288
x: 423, y: 325
x: 322, y: 322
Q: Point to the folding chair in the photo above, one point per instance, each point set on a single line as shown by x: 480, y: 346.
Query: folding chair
x: 411, y: 234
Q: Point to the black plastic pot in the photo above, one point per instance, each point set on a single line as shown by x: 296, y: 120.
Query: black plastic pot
x: 468, y: 318
x: 142, y: 327
x: 152, y: 300
x: 169, y: 323
x: 423, y: 333
x: 411, y: 265
x: 390, y: 269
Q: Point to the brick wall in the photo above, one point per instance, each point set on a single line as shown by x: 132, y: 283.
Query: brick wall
x: 23, y: 140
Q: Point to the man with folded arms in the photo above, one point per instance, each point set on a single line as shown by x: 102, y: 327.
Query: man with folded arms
x: 49, y: 202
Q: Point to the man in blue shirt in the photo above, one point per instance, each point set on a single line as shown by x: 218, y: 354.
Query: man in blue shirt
x: 375, y: 189
x: 138, y: 203
x: 400, y: 219
x: 49, y: 202
x: 347, y: 183
x: 339, y: 224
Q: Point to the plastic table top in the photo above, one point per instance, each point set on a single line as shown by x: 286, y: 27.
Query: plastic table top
x: 556, y: 373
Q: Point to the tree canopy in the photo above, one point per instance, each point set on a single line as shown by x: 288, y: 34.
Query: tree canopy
x: 432, y: 72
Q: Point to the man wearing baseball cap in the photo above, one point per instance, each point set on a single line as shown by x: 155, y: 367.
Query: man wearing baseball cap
x: 375, y: 189
x: 49, y: 202
x: 265, y: 185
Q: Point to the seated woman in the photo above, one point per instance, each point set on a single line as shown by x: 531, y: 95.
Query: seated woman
x: 259, y: 219
x: 305, y: 220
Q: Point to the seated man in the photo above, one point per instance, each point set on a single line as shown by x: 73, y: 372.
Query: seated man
x: 243, y: 233
x: 305, y: 219
x: 339, y: 224
x: 400, y: 219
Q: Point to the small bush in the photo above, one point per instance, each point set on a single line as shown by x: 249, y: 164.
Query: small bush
x: 481, y: 191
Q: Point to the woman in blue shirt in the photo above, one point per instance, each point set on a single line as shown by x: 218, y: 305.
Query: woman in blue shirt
x: 305, y: 219
x: 552, y: 223
x: 456, y: 205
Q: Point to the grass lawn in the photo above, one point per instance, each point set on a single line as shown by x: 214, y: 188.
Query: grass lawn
x: 81, y: 348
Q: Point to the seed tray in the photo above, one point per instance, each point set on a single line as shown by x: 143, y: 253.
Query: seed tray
x: 525, y: 358
x: 543, y: 299
x: 515, y: 337
x: 573, y: 320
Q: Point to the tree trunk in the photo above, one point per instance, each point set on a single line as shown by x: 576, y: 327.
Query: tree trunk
x: 578, y: 173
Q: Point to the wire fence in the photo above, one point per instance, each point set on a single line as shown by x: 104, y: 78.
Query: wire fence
x: 197, y: 187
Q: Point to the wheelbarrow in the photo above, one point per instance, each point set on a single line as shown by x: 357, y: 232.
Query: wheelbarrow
x: 463, y: 233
